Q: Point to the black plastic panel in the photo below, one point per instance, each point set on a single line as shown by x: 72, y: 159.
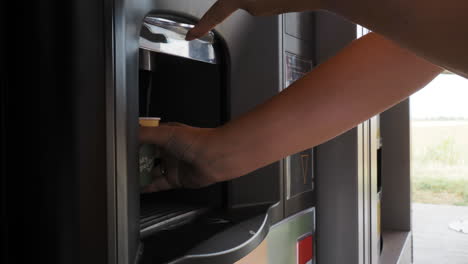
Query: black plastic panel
x: 55, y: 140
x: 190, y: 92
x: 184, y: 91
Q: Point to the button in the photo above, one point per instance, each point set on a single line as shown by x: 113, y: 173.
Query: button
x: 305, y: 250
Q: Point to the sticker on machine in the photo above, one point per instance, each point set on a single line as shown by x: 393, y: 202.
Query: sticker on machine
x: 305, y: 249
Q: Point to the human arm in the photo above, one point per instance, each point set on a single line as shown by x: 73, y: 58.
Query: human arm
x: 435, y: 30
x: 365, y: 78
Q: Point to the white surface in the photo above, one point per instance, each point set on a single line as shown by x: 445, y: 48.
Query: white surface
x: 434, y: 242
x: 460, y: 226
x: 445, y: 96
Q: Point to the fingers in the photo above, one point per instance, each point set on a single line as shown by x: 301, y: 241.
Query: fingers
x: 156, y: 135
x: 165, y: 176
x: 162, y: 179
x: 161, y: 134
x: 215, y: 15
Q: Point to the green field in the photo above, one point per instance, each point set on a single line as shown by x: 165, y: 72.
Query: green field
x: 440, y: 162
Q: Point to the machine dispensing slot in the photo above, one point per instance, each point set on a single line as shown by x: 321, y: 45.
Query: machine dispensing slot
x: 158, y: 215
x: 179, y: 81
x: 186, y: 82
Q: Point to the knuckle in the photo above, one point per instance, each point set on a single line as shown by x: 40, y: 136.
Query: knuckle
x: 253, y: 10
x: 250, y: 7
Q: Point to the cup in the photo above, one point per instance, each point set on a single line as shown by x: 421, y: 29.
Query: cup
x: 147, y: 153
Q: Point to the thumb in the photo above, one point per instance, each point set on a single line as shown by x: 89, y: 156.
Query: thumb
x: 215, y: 15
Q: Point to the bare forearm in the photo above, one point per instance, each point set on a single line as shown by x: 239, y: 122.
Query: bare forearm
x: 367, y: 77
x: 433, y: 29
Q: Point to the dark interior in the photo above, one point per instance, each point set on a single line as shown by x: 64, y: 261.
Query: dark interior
x: 183, y: 90
x: 178, y: 222
x: 190, y: 92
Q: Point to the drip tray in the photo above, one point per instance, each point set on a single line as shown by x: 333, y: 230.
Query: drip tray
x: 166, y: 245
x: 218, y: 236
x: 155, y: 217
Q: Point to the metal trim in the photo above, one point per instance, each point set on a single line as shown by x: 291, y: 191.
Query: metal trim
x: 110, y: 131
x: 167, y: 36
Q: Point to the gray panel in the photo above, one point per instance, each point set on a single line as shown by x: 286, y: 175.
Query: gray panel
x: 340, y: 168
x: 398, y: 247
x: 396, y: 182
x: 300, y: 25
x: 332, y: 34
x: 245, y: 191
x: 337, y: 182
x: 299, y: 47
x: 255, y: 75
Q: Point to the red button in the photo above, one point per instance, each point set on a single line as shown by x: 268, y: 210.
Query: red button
x: 305, y: 250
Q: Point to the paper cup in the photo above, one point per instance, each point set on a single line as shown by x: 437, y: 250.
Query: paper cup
x: 149, y: 121
x: 147, y: 152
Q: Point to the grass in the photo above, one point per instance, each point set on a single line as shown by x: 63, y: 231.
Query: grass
x: 440, y: 162
x: 440, y: 191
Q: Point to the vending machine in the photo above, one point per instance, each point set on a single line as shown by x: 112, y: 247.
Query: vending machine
x: 93, y: 68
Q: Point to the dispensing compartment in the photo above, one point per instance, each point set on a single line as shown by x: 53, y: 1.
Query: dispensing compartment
x: 186, y: 82
x: 183, y: 82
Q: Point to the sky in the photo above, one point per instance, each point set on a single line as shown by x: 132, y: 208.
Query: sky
x: 445, y: 96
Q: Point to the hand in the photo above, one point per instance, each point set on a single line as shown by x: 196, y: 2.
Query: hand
x: 224, y: 8
x: 183, y: 162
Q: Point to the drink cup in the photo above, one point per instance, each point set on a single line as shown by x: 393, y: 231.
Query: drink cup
x: 148, y: 153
